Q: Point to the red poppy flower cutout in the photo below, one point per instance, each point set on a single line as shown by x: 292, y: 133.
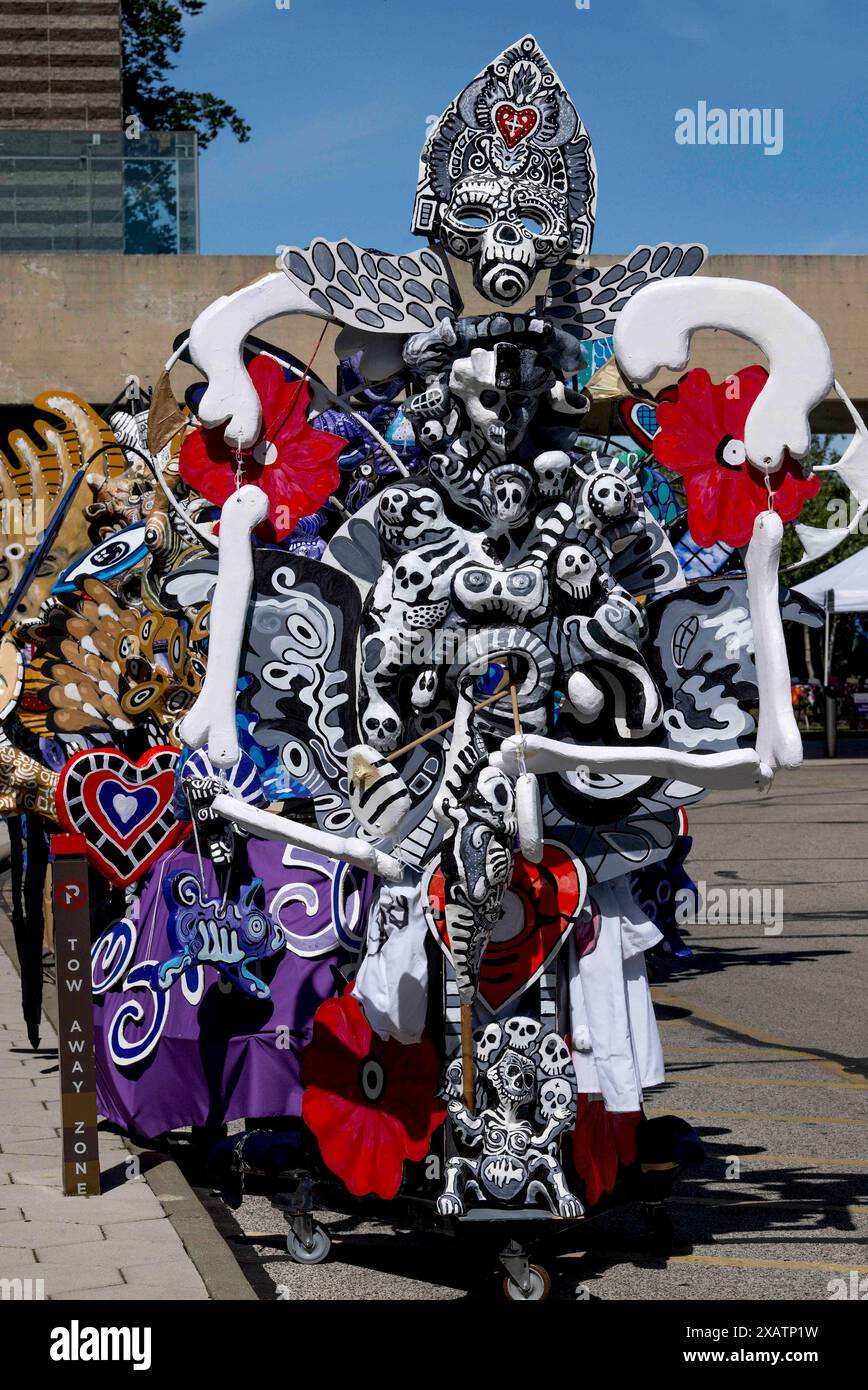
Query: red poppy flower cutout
x: 294, y: 464
x: 371, y: 1104
x: 701, y: 436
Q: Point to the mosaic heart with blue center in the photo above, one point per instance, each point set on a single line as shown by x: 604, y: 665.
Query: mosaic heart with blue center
x: 122, y: 808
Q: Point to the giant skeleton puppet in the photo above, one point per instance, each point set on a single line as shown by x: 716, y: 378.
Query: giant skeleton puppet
x: 530, y: 689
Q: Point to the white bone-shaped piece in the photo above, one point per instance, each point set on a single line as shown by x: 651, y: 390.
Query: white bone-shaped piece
x: 211, y: 719
x: 778, y: 742
x: 265, y: 825
x: 528, y: 812
x: 739, y: 768
x: 818, y: 541
x: 655, y: 328
x: 852, y: 466
x: 215, y: 345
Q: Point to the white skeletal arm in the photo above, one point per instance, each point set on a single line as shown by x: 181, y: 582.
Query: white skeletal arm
x: 211, y: 719
x: 216, y: 346
x: 739, y: 768
x: 265, y: 825
x: 655, y: 327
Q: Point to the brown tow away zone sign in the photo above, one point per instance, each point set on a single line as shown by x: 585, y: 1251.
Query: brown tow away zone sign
x: 71, y: 903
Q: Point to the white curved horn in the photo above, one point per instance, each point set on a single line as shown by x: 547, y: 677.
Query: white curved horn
x: 655, y: 328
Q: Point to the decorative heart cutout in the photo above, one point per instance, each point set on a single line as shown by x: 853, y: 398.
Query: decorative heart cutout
x: 122, y: 808
x: 515, y: 123
x: 540, y: 909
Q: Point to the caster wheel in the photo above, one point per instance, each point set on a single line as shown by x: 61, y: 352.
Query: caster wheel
x: 540, y: 1286
x: 316, y: 1250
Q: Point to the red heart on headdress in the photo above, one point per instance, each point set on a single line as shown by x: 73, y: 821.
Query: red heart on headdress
x: 515, y: 123
x: 540, y: 908
x: 122, y: 808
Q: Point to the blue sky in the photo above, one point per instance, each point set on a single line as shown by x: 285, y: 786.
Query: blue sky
x: 338, y: 91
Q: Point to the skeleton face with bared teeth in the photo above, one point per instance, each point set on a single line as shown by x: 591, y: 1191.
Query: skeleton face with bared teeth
x: 500, y: 389
x: 575, y: 569
x: 513, y: 1077
x: 609, y: 498
x: 486, y: 1042
x: 508, y: 230
x: 405, y: 514
x: 505, y: 494
x: 507, y: 179
x: 522, y: 1032
x: 412, y: 579
x: 552, y: 469
x: 381, y: 726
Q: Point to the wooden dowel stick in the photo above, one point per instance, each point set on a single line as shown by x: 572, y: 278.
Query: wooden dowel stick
x: 468, y: 1066
x: 513, y: 692
x: 441, y: 728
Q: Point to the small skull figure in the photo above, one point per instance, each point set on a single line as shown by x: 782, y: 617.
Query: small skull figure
x: 609, y: 498
x: 530, y: 1086
x: 554, y: 1055
x: 552, y: 469
x: 575, y: 570
x: 610, y: 495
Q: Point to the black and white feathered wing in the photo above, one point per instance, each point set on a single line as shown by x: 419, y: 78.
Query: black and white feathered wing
x: 586, y: 301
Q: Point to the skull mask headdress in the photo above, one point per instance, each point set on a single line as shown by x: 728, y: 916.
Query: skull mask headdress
x: 507, y: 178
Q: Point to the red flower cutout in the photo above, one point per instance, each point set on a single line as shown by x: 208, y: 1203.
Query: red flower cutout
x: 294, y: 464
x: 371, y: 1104
x: 701, y: 436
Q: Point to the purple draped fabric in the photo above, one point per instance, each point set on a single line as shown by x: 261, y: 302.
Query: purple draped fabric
x: 202, y: 1052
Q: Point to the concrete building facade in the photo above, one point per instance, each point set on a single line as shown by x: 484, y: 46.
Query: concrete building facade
x: 60, y: 65
x: 75, y: 176
x: 89, y: 322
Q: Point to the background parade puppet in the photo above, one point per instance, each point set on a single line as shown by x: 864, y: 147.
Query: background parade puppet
x: 407, y: 682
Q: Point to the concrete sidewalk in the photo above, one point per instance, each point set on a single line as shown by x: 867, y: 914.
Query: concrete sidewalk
x: 118, y: 1246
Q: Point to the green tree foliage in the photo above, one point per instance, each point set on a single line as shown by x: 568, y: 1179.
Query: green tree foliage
x: 152, y: 32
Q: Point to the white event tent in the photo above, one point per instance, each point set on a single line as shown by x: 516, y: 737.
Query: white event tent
x: 841, y: 589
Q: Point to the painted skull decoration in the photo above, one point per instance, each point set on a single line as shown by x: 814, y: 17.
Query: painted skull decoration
x: 507, y: 179
x: 500, y: 387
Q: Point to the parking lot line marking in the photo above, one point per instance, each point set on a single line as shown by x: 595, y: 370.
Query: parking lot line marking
x: 731, y: 1025
x: 773, y: 1081
x: 717, y: 1261
x: 791, y: 1160
x: 760, y: 1115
